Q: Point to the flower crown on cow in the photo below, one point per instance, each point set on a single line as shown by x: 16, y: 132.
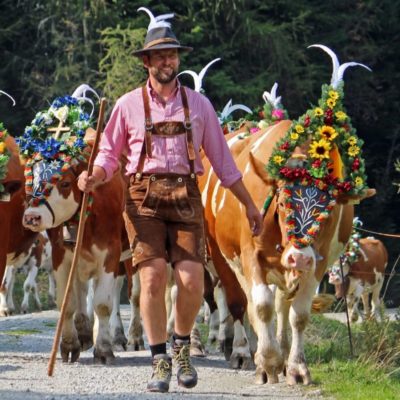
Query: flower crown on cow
x: 56, y: 136
x: 334, y: 159
x: 4, y: 152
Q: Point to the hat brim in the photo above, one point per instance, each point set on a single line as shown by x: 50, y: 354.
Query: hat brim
x: 162, y: 46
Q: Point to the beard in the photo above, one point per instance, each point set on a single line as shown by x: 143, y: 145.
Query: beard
x: 164, y: 76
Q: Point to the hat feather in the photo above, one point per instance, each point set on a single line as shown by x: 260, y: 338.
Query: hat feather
x: 159, y: 21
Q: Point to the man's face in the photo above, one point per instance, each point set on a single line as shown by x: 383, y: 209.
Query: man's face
x: 162, y: 64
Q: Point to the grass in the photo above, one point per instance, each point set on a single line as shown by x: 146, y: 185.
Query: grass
x: 20, y: 332
x: 373, y: 372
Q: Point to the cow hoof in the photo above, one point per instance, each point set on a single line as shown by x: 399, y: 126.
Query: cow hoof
x: 120, y: 341
x: 241, y: 361
x: 261, y: 377
x: 86, y: 341
x: 70, y: 347
x: 135, y: 345
x: 226, y: 347
x: 103, y: 357
x: 295, y: 377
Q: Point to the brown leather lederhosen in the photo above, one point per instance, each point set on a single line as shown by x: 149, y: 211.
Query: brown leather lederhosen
x: 164, y: 211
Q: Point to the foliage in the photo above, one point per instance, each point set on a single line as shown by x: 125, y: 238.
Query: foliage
x: 373, y: 373
x: 4, y: 155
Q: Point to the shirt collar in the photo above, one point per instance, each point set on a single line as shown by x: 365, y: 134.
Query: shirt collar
x: 154, y: 95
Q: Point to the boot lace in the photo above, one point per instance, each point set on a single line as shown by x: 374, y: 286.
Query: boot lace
x: 183, y: 359
x: 162, y: 369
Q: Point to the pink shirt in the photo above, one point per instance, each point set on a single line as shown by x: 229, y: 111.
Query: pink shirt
x: 125, y: 132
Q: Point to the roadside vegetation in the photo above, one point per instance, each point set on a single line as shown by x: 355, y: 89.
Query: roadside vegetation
x: 372, y: 372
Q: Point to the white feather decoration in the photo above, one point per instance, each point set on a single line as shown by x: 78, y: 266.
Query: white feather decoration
x: 80, y: 94
x: 338, y: 70
x: 159, y: 21
x: 270, y: 97
x: 12, y: 98
x: 229, y: 109
x: 198, y: 78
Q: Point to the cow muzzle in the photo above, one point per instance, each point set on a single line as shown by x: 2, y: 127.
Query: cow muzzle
x: 33, y: 221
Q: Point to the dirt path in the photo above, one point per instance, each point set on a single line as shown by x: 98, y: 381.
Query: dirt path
x: 25, y: 345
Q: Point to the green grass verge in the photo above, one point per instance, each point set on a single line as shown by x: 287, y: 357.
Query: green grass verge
x: 373, y: 372
x: 20, y: 332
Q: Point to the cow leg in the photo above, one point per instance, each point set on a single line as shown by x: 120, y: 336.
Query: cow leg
x: 365, y: 301
x: 211, y: 305
x: 103, y: 286
x: 119, y: 340
x: 83, y: 323
x: 135, y: 330
x: 299, y: 316
x: 226, y: 329
x: 52, y: 289
x: 30, y: 286
x: 6, y: 300
x: 282, y: 307
x: 70, y: 344
x: 268, y: 358
x: 375, y: 299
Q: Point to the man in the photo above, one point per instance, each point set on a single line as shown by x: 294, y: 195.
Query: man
x: 162, y: 127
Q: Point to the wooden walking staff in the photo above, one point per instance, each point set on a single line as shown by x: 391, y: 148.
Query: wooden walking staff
x: 81, y: 227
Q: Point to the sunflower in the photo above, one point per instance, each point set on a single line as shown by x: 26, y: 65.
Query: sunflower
x: 341, y: 116
x: 294, y: 136
x: 331, y: 103
x: 299, y: 128
x: 358, y: 181
x: 278, y: 159
x: 2, y: 147
x: 353, y: 151
x: 318, y: 112
x: 352, y: 140
x: 320, y: 149
x: 327, y: 132
x: 333, y: 94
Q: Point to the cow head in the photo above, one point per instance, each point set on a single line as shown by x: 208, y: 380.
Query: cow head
x: 53, y: 194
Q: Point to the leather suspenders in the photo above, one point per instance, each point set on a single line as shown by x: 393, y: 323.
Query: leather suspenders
x: 170, y: 128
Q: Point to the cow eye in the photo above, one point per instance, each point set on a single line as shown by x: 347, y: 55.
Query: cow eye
x: 65, y: 184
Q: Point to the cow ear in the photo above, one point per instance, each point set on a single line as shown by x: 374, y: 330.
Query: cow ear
x: 355, y: 199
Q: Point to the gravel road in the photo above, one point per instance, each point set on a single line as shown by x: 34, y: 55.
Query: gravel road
x: 25, y: 346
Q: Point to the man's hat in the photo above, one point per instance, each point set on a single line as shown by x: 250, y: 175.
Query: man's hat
x: 159, y: 35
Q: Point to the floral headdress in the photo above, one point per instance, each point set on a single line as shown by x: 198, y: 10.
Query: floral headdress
x: 352, y: 251
x: 271, y: 113
x: 334, y: 161
x: 56, y: 136
x: 4, y: 152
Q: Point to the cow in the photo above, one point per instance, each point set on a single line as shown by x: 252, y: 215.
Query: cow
x: 54, y: 200
x: 15, y: 240
x: 363, y: 275
x: 295, y: 174
x: 29, y: 262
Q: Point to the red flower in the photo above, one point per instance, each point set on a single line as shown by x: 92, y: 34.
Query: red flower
x: 316, y: 164
x: 261, y: 114
x: 356, y: 164
x: 346, y: 127
x: 285, y: 146
x: 307, y: 121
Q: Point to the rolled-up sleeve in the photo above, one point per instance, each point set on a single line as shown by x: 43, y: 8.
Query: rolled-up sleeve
x: 216, y: 148
x: 112, y: 142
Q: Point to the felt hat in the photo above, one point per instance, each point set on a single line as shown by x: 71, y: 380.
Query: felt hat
x: 159, y: 35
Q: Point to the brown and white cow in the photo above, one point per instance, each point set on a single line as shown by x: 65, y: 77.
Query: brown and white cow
x: 363, y: 277
x: 37, y: 257
x: 99, y: 257
x: 269, y: 259
x: 15, y: 240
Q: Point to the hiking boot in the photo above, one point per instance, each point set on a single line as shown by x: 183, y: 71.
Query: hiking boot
x: 187, y: 375
x: 162, y: 370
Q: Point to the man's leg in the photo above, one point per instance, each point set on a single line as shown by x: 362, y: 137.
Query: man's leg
x: 153, y: 281
x: 189, y: 277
